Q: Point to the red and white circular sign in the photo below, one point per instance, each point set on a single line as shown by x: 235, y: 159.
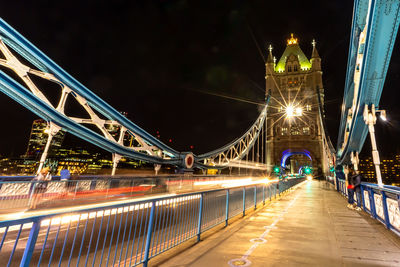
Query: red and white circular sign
x: 189, y: 160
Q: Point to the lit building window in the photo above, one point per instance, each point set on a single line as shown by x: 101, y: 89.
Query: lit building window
x: 284, y: 131
x: 308, y: 107
x: 306, y: 130
x: 294, y: 130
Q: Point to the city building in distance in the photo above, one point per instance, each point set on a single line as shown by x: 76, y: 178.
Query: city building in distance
x: 38, y: 138
x: 390, y: 170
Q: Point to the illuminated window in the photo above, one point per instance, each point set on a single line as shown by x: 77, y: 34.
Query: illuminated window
x: 306, y: 130
x: 284, y: 131
x: 294, y: 130
x: 308, y: 107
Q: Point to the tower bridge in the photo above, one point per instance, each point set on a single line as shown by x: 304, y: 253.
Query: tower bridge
x: 135, y: 221
x: 297, y: 93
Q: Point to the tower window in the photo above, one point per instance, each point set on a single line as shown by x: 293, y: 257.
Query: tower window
x: 289, y: 68
x: 294, y: 130
x: 295, y: 68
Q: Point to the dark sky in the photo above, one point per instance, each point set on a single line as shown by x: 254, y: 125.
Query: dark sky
x: 157, y: 60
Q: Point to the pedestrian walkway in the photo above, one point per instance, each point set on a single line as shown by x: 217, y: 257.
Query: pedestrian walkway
x: 309, y: 227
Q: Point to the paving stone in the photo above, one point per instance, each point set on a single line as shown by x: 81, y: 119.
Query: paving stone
x: 312, y: 227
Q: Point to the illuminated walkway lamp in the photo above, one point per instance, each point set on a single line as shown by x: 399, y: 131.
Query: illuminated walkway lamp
x: 370, y: 120
x: 307, y: 170
x: 276, y: 169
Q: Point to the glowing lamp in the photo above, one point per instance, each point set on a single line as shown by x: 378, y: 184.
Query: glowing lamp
x: 307, y: 170
x: 277, y: 169
x: 383, y: 115
x: 293, y: 112
x: 299, y: 111
x: 289, y: 111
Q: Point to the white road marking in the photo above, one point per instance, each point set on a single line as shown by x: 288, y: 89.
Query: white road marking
x: 244, y: 261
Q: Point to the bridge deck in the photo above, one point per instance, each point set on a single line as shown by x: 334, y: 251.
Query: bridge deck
x: 309, y: 227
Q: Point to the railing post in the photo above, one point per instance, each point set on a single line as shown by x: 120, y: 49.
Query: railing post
x: 398, y: 203
x: 244, y: 201
x: 255, y: 197
x: 372, y: 202
x: 362, y: 197
x: 108, y: 187
x: 30, y: 245
x: 270, y: 192
x: 31, y: 192
x: 263, y: 194
x: 385, y: 210
x: 200, y: 217
x: 76, y: 189
x: 337, y: 184
x: 227, y: 208
x: 149, y: 231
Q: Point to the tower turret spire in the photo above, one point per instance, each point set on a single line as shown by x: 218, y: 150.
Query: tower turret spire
x: 314, y: 51
x: 315, y: 59
x: 270, y: 58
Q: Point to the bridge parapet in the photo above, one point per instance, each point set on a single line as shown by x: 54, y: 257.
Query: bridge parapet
x: 382, y: 203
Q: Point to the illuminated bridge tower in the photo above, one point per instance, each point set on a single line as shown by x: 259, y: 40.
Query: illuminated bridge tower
x: 294, y: 123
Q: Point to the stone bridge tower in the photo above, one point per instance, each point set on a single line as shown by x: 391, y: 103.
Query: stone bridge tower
x: 294, y: 122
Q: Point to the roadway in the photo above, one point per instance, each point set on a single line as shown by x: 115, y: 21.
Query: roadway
x: 70, y: 199
x: 309, y: 227
x: 62, y: 234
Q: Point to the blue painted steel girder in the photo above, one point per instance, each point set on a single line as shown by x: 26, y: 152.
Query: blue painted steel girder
x: 23, y: 96
x: 43, y: 110
x: 382, y: 20
x: 26, y: 49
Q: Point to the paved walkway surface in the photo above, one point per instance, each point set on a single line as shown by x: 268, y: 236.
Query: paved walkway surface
x: 311, y: 226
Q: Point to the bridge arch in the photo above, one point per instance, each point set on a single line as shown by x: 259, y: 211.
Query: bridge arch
x: 289, y: 152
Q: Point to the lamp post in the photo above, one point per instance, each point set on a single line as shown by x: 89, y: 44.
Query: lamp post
x: 51, y: 129
x: 370, y: 120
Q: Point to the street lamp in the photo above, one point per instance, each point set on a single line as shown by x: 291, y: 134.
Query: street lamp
x: 370, y: 120
x: 383, y: 115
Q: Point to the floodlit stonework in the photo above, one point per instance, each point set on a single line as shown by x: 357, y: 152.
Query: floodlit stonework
x: 294, y: 123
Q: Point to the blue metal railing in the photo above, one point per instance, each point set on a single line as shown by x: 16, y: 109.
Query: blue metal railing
x: 382, y: 203
x: 126, y: 234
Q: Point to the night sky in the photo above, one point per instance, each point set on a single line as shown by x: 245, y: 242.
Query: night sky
x: 164, y: 61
